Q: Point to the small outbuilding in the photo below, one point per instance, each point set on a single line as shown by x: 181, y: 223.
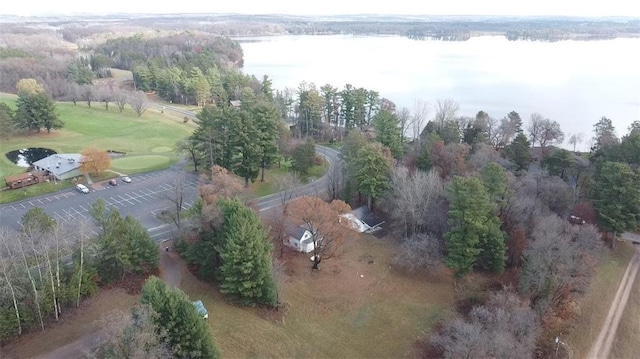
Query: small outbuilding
x: 362, y: 220
x: 201, y: 309
x: 25, y: 179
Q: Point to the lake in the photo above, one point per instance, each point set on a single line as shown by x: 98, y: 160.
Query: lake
x: 572, y: 82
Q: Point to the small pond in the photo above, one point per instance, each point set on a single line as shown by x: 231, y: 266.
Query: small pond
x: 26, y: 156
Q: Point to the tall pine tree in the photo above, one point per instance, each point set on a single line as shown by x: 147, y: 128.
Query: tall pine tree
x: 475, y: 236
x: 187, y: 333
x: 245, y: 274
x: 617, y: 197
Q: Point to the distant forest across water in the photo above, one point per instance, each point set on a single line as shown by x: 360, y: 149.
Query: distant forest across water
x: 447, y: 28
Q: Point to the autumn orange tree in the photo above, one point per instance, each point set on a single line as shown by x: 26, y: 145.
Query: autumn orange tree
x: 322, y: 220
x: 221, y: 185
x: 95, y: 161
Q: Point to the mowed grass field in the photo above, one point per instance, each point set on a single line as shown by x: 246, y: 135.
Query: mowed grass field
x: 153, y: 135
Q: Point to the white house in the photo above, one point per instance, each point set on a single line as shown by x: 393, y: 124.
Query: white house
x: 301, y: 240
x: 362, y: 220
x: 62, y: 165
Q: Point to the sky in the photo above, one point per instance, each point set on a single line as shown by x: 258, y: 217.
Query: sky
x: 332, y: 7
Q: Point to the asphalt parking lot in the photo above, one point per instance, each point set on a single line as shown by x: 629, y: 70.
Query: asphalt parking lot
x: 143, y: 198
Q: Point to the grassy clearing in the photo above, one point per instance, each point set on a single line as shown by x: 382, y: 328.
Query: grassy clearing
x: 142, y: 163
x: 7, y: 196
x: 356, y: 306
x: 271, y: 176
x: 626, y: 344
x: 84, y: 126
x: 149, y: 141
x: 595, y: 305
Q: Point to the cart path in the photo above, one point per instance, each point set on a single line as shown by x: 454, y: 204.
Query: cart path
x: 602, y: 346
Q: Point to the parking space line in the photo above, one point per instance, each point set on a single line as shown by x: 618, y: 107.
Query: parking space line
x: 118, y: 202
x: 124, y: 199
x: 84, y: 209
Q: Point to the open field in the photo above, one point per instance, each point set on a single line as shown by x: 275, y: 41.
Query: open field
x: 626, y: 344
x: 595, y: 305
x: 153, y: 133
x: 356, y: 306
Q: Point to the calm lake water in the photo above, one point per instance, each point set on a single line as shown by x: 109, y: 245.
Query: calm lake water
x: 572, y: 82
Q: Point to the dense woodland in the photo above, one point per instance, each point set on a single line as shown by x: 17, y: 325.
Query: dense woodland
x: 486, y: 194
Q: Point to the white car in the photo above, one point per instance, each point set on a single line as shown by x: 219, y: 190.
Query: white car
x: 126, y: 179
x: 82, y: 188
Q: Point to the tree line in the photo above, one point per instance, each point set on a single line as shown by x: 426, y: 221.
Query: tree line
x: 48, y: 266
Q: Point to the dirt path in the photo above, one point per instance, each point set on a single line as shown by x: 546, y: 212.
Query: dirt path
x: 78, y: 349
x: 602, y: 347
x: 170, y: 267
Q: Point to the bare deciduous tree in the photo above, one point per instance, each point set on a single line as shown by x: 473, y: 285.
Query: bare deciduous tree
x: 139, y: 102
x: 419, y: 120
x: 121, y: 98
x: 420, y: 252
x: 8, y: 263
x: 505, y: 327
x: 106, y: 93
x: 176, y: 197
x: 88, y: 94
x: 484, y: 154
x: 411, y: 197
x: 576, y: 139
x: 286, y: 186
x: 446, y: 110
x: 405, y: 120
x: 134, y: 335
x: 558, y: 261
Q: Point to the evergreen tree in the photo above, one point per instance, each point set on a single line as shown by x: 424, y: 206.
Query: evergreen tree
x: 519, y: 152
x: 265, y: 116
x: 123, y: 245
x: 245, y: 274
x: 6, y: 121
x: 187, y: 334
x: 616, y: 197
x: 36, y: 111
x: 304, y: 156
x: 373, y: 170
x: 494, y: 178
x: 388, y: 132
x: 559, y: 163
x: 246, y: 137
x: 475, y: 236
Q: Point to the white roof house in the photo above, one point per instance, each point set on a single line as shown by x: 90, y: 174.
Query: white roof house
x: 62, y: 165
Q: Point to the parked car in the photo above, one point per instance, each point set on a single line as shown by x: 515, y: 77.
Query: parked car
x: 126, y: 179
x: 113, y: 182
x: 82, y: 188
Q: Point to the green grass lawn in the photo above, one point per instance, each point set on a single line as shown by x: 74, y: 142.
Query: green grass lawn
x: 149, y: 140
